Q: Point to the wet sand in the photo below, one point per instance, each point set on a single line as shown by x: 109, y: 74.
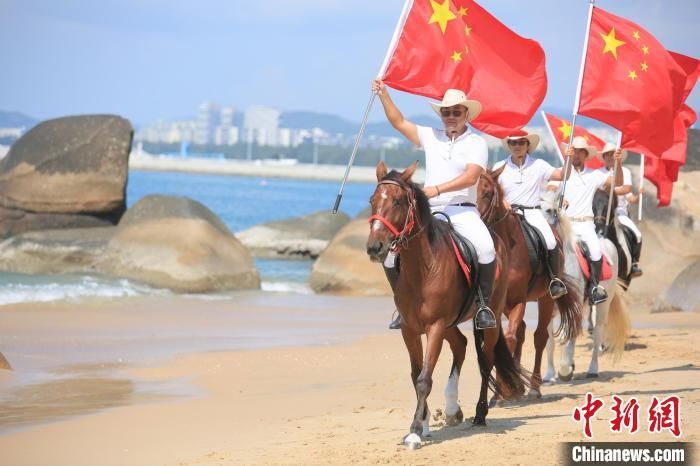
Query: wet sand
x: 181, y: 381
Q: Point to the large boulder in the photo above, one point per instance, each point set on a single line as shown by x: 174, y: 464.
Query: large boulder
x: 163, y: 241
x: 683, y: 294
x: 65, y: 173
x: 344, y: 268
x: 296, y: 238
x: 178, y: 243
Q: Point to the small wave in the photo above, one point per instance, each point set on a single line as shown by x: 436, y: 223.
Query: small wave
x: 35, y: 289
x: 287, y: 287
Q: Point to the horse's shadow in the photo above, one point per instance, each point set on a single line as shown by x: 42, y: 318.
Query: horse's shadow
x: 467, y: 429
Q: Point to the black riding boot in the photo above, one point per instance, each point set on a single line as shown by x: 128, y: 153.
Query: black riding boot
x: 392, y: 274
x: 636, y: 251
x: 598, y: 293
x: 557, y: 288
x: 485, y: 318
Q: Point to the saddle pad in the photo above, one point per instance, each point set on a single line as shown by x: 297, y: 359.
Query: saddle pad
x: 605, y: 274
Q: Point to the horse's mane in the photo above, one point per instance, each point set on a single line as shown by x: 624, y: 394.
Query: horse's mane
x: 549, y: 203
x: 487, y: 211
x: 437, y: 230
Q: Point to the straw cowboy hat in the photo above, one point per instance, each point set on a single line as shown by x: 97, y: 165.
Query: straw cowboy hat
x: 581, y: 143
x: 533, y: 139
x: 456, y: 97
x: 610, y: 147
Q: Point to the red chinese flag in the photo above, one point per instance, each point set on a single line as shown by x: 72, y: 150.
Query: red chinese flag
x: 663, y: 171
x: 456, y: 44
x: 631, y: 82
x: 560, y: 129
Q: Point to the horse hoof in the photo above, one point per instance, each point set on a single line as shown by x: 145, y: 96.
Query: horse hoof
x: 534, y: 395
x: 549, y: 381
x: 412, y: 441
x: 566, y: 378
x: 479, y: 421
x: 591, y: 375
x: 454, y: 419
x: 493, y: 402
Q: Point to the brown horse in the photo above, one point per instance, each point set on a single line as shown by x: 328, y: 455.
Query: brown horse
x: 429, y: 294
x: 520, y: 289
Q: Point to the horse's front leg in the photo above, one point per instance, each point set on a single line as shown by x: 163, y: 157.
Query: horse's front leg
x: 550, y: 376
x: 424, y: 384
x: 601, y: 316
x: 545, y: 307
x: 458, y: 345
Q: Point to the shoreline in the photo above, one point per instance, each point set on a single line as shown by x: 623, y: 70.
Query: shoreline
x: 347, y: 402
x: 257, y: 168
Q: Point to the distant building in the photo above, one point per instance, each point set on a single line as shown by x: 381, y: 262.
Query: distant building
x: 208, y: 118
x: 261, y: 124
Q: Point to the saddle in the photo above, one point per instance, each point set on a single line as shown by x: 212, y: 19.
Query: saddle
x: 536, y: 247
x: 466, y: 256
x: 584, y: 260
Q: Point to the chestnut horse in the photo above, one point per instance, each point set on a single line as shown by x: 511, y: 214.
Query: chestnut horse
x: 429, y: 295
x: 525, y: 284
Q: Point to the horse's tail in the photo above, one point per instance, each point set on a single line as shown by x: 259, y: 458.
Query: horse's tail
x: 569, y: 310
x: 513, y: 381
x: 618, y: 328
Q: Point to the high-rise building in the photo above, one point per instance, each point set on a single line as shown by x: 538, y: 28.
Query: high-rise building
x: 208, y: 118
x: 263, y: 123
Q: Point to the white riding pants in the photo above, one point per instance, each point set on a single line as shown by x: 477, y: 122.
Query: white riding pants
x: 586, y: 231
x: 627, y: 221
x: 536, y: 218
x: 468, y: 223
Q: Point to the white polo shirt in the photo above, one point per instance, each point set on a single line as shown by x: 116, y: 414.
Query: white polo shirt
x: 522, y: 185
x: 445, y: 160
x: 580, y: 189
x: 626, y: 181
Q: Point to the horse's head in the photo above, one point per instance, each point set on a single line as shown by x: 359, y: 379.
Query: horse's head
x: 393, y: 211
x: 490, y: 195
x: 600, y: 209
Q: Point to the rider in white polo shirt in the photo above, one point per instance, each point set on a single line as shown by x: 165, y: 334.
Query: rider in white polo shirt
x: 522, y: 180
x: 621, y: 211
x: 580, y: 189
x: 454, y: 160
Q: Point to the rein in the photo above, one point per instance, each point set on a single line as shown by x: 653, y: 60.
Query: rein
x: 404, y: 236
x: 495, y: 200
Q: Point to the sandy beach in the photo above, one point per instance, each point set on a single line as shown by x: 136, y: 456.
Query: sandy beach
x: 266, y: 379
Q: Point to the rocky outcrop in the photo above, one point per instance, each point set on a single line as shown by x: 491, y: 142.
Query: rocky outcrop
x: 164, y: 241
x: 66, y: 173
x: 296, y: 238
x: 344, y: 268
x: 683, y: 294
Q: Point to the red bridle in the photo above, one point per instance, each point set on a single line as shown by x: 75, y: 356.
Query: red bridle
x: 401, y: 237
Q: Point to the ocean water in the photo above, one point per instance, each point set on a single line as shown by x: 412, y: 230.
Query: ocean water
x: 240, y: 202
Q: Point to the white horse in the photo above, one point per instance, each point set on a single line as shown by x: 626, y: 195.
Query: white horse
x: 610, y: 320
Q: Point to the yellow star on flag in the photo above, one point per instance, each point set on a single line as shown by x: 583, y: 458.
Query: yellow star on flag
x: 644, y: 66
x: 441, y: 14
x: 462, y: 11
x: 645, y: 49
x: 565, y: 129
x: 457, y: 56
x: 611, y: 42
x: 632, y: 75
x: 467, y: 30
x: 635, y: 34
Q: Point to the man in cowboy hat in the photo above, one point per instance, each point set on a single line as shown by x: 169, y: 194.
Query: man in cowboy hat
x: 454, y: 160
x: 580, y: 189
x: 522, y: 180
x: 621, y: 211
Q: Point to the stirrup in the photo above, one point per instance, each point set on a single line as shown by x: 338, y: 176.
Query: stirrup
x: 554, y: 282
x: 602, y: 295
x: 482, y: 321
x: 395, y: 321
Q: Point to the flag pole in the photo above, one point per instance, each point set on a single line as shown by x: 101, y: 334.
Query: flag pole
x: 389, y: 53
x: 576, y: 102
x: 551, y: 134
x: 641, y: 184
x: 612, y: 185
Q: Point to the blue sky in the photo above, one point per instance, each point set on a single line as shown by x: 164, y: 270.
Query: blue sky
x: 150, y: 59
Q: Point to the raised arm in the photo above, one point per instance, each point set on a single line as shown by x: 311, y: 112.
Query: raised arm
x: 394, y: 115
x: 558, y: 174
x: 619, y: 180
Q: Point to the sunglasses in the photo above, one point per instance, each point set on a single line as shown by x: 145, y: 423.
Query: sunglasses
x: 454, y: 112
x: 518, y: 142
